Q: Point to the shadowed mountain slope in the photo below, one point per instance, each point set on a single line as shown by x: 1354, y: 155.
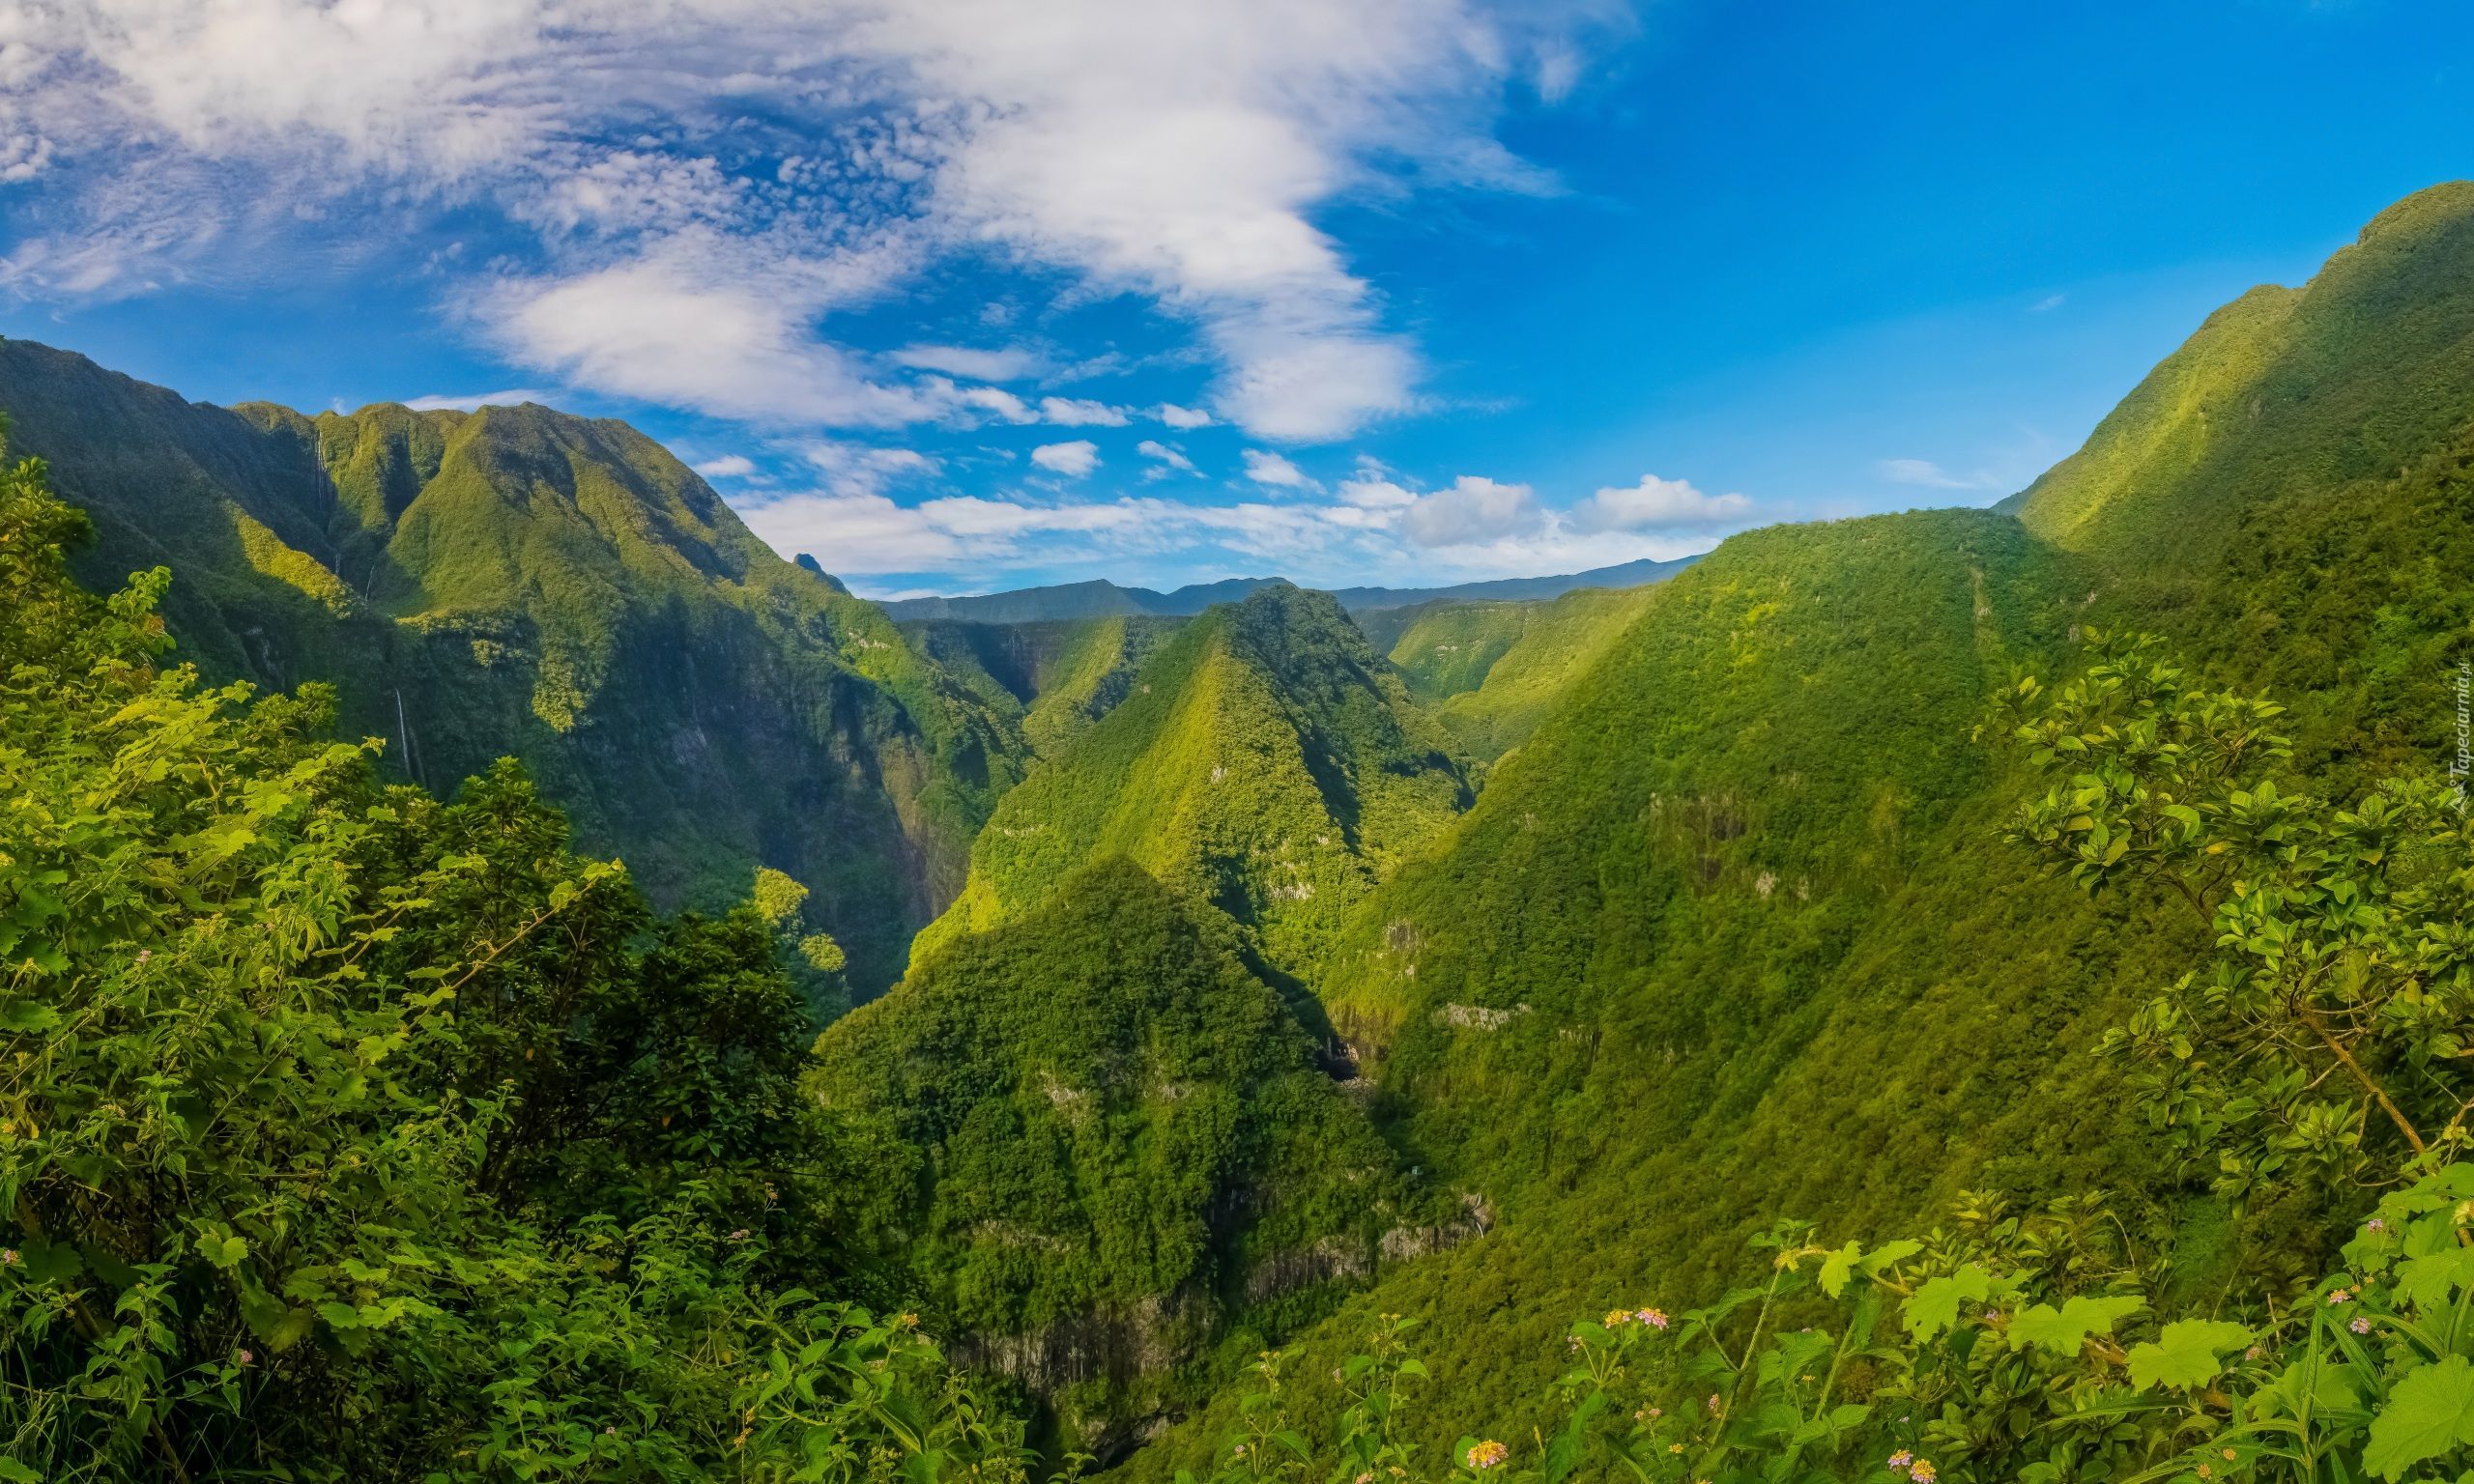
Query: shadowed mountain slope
x: 519, y: 581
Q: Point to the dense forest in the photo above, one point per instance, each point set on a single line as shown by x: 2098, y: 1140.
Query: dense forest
x: 1967, y: 994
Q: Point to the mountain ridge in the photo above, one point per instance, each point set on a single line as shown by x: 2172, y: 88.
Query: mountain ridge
x: 1100, y: 597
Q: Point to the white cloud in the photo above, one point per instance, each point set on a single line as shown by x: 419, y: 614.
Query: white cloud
x: 1472, y: 512
x: 732, y: 161
x: 696, y: 324
x: 977, y: 365
x: 1931, y: 476
x: 1657, y: 504
x: 1078, y: 413
x: 1268, y: 469
x: 1182, y: 417
x: 1073, y: 460
x: 465, y: 404
x: 2048, y: 304
x: 863, y: 469
x: 730, y: 466
x: 1152, y: 449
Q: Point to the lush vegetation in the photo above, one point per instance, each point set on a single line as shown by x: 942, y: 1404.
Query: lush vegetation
x: 1264, y: 761
x: 346, y: 1133
x: 1114, y: 1136
x: 2074, y: 1035
x: 2285, y: 392
x: 1492, y: 671
x: 518, y: 581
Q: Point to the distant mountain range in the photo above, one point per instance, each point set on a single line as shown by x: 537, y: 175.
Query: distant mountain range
x: 1100, y: 599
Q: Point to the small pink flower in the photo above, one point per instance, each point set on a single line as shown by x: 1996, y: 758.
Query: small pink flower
x: 2360, y: 1324
x: 2339, y: 1296
x: 1656, y: 1319
x: 1487, y: 1454
x: 243, y: 1356
x: 8, y: 1257
x: 2374, y: 1224
x: 1922, y: 1472
x: 1713, y: 1401
x: 1899, y: 1461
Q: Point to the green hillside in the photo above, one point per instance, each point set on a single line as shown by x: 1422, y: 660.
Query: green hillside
x: 518, y: 581
x: 1116, y: 1137
x: 1265, y: 761
x: 1491, y: 671
x: 2355, y: 374
x: 1057, y: 678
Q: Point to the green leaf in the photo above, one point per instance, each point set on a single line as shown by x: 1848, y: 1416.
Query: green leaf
x: 2185, y: 1355
x: 2065, y: 1329
x: 2429, y: 1413
x: 341, y: 1316
x: 1838, y: 1266
x: 16, y: 1472
x: 1934, y: 1305
x: 224, y: 1252
x: 28, y: 1015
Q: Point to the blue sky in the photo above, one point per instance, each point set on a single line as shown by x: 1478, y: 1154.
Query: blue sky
x: 974, y: 295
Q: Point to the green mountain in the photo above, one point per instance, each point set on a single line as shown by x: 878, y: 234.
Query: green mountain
x: 1055, y: 677
x: 1100, y: 598
x: 518, y: 581
x: 1264, y: 761
x: 1116, y: 1139
x: 2355, y: 374
x: 1731, y: 936
x: 1491, y: 671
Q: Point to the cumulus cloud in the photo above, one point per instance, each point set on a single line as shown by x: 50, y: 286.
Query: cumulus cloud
x: 730, y: 466
x: 1153, y: 448
x: 1472, y: 511
x: 1268, y: 469
x: 1074, y: 460
x: 1657, y: 504
x: 1182, y: 417
x: 759, y: 151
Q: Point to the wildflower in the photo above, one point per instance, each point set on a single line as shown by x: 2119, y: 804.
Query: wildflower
x: 740, y: 1234
x: 2360, y: 1324
x: 1656, y: 1319
x: 2205, y: 1472
x: 243, y: 1356
x: 2230, y: 1455
x: 2254, y: 1353
x: 1487, y: 1454
x: 1617, y: 1319
x: 1657, y: 1412
x: 1713, y: 1401
x: 145, y: 954
x: 612, y: 1431
x: 2339, y: 1296
x: 1367, y: 1478
x: 1675, y: 1447
x: 1899, y: 1461
x: 1238, y: 1451
x: 908, y: 1321
x: 8, y: 1257
x: 2374, y: 1226
x: 1921, y: 1472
